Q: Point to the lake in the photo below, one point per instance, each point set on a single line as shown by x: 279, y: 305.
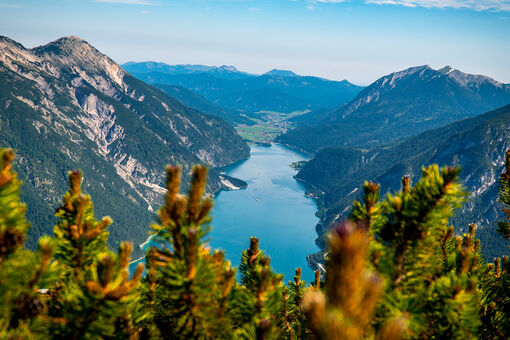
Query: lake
x: 273, y: 208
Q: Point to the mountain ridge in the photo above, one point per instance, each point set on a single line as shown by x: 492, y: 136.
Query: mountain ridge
x: 65, y: 105
x: 400, y: 105
x: 223, y: 71
x: 255, y: 93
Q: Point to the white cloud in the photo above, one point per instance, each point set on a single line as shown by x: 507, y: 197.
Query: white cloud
x: 127, y: 2
x: 477, y: 5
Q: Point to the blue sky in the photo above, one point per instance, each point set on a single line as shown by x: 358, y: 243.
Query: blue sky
x: 358, y: 40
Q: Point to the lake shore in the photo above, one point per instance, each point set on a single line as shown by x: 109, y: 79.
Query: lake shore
x: 272, y: 207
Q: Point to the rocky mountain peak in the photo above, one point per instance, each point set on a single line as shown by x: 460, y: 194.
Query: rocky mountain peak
x: 410, y: 71
x: 446, y: 70
x: 68, y: 41
x: 473, y: 80
x: 73, y: 56
x: 5, y: 41
x: 390, y: 81
x: 71, y: 45
x: 402, y: 104
x: 227, y: 68
x: 13, y: 53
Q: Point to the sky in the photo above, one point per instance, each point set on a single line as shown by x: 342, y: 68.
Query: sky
x: 357, y: 40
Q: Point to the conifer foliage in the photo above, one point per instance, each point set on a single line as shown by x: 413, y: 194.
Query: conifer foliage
x: 346, y: 308
x: 431, y: 277
x: 191, y: 284
x: 394, y: 270
x: 21, y: 270
x: 259, y: 296
x: 93, y: 295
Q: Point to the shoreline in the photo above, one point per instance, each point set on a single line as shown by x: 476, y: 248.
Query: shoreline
x: 141, y: 247
x: 147, y: 241
x: 232, y: 187
x: 214, y: 194
x: 229, y: 183
x: 141, y: 258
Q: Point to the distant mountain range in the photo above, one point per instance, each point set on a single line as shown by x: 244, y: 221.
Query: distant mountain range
x: 65, y: 105
x: 224, y: 71
x: 478, y: 145
x: 276, y: 90
x: 399, y: 105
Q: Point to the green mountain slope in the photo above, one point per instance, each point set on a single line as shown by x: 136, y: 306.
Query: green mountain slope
x: 65, y: 105
x: 398, y: 106
x: 199, y: 103
x: 477, y: 144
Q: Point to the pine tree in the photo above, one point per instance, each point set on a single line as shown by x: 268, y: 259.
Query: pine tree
x: 346, y: 308
x: 431, y: 277
x: 93, y: 296
x: 21, y: 270
x: 296, y: 325
x: 259, y: 298
x: 191, y: 285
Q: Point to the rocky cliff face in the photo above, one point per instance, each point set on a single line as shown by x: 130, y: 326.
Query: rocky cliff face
x: 65, y: 105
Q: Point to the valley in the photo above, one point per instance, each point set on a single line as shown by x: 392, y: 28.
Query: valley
x: 272, y: 207
x: 267, y: 126
x: 128, y: 128
x: 269, y: 170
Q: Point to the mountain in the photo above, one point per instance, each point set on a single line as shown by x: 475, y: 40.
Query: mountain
x: 477, y: 144
x: 199, y: 103
x: 224, y: 71
x: 65, y: 105
x: 311, y: 118
x: 280, y: 73
x: 400, y: 105
x: 273, y: 91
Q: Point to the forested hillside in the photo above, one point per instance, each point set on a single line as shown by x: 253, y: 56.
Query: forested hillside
x: 66, y: 105
x: 477, y: 145
x: 199, y: 103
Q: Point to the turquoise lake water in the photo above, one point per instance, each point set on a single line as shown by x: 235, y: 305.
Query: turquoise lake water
x: 272, y: 208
